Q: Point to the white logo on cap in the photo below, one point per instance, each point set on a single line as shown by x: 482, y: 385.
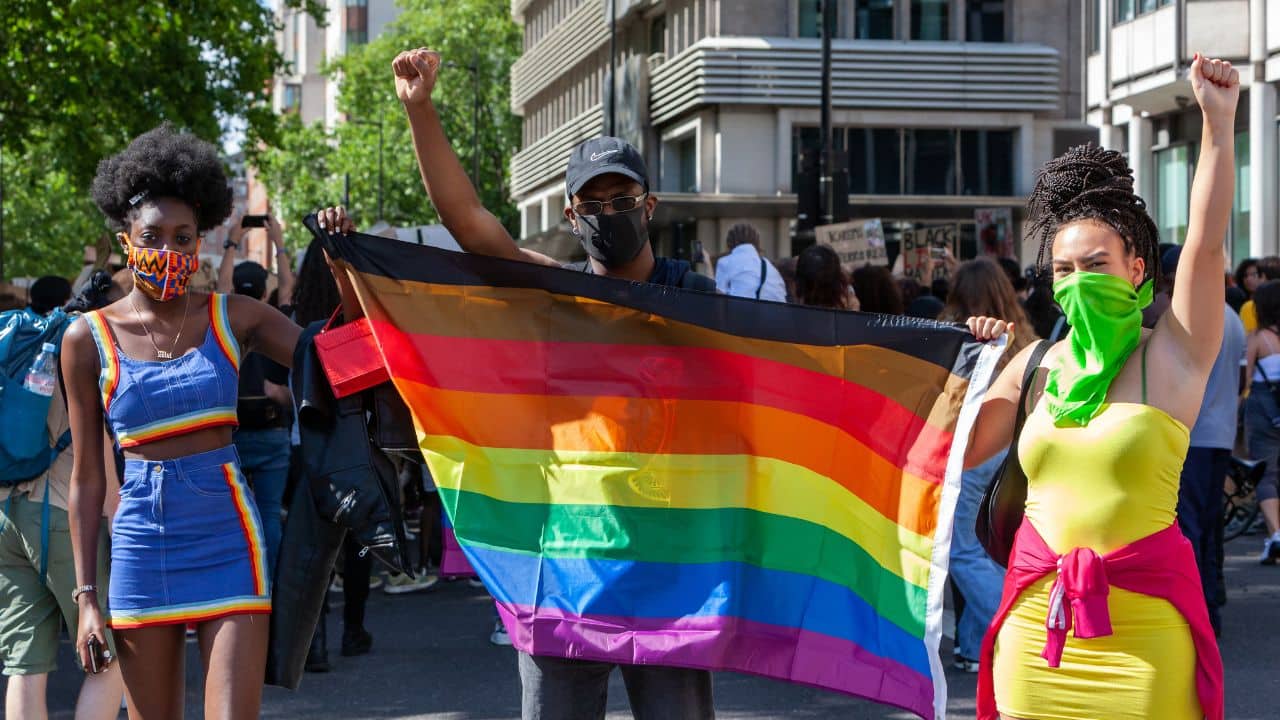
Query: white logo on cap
x: 601, y: 156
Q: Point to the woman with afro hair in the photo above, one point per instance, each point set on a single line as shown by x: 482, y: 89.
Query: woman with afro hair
x: 1103, y: 614
x: 161, y: 366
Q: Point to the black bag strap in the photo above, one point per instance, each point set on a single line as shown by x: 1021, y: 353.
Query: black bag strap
x: 763, y: 270
x: 1033, y: 364
x: 1275, y: 390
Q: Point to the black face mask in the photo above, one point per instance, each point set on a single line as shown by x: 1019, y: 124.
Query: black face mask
x: 614, y: 239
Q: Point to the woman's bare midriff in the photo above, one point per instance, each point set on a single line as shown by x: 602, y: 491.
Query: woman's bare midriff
x: 182, y: 445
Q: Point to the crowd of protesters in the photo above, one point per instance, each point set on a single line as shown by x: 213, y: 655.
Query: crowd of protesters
x: 219, y: 479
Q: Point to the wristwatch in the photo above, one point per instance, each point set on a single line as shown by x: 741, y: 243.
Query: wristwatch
x: 229, y: 244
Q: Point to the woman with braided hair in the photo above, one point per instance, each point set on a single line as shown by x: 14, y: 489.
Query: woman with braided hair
x: 1103, y: 613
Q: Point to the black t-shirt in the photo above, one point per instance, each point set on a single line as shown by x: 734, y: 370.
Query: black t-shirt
x: 255, y: 409
x: 255, y: 369
x: 666, y: 271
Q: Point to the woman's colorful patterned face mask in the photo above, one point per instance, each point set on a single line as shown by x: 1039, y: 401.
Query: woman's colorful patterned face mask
x: 161, y: 274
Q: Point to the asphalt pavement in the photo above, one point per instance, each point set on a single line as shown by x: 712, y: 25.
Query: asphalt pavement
x: 432, y: 659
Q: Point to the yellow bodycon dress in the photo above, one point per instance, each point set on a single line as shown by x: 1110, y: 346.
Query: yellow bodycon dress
x: 1100, y: 486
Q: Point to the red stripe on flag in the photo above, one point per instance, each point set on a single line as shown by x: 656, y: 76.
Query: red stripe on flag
x: 646, y: 371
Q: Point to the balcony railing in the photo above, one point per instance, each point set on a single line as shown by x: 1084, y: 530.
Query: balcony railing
x: 865, y: 74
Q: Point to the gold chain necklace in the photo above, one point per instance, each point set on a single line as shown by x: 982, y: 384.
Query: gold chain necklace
x: 163, y: 354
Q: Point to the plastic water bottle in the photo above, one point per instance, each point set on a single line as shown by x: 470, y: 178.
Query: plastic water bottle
x: 43, y: 375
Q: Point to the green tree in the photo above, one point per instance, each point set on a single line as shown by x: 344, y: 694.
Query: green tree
x: 80, y: 78
x: 458, y: 29
x: 48, y: 217
x: 298, y: 170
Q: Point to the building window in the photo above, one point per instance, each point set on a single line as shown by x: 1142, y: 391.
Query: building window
x: 986, y: 162
x: 986, y: 21
x: 679, y: 170
x: 873, y: 19
x: 293, y: 44
x: 893, y: 161
x: 809, y: 18
x: 875, y: 161
x: 1173, y: 184
x: 658, y: 35
x: 292, y: 100
x: 531, y: 219
x: 1240, y: 208
x: 930, y: 19
x: 357, y: 25
x: 687, y: 157
x: 1127, y: 10
x: 930, y: 162
x: 1095, y: 26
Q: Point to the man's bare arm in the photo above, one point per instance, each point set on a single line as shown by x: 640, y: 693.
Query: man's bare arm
x: 447, y: 184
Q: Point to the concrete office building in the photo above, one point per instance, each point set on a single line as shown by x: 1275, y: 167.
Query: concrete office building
x: 945, y: 107
x: 303, y: 89
x: 307, y: 47
x: 1138, y: 95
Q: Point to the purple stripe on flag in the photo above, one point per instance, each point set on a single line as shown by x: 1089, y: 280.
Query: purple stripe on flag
x: 729, y: 643
x: 453, y: 562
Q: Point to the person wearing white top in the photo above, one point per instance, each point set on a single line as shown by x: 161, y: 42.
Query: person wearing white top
x: 744, y: 273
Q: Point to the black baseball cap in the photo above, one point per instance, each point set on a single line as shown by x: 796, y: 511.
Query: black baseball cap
x: 600, y: 156
x: 250, y: 278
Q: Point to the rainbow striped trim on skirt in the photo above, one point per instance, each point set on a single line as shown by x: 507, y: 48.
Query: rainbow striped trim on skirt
x: 191, y: 612
x: 187, y: 543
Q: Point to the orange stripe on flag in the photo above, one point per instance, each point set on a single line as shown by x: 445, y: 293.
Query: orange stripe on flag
x: 686, y: 427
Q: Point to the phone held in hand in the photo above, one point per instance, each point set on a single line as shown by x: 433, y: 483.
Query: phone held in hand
x: 937, y: 252
x: 252, y: 221
x: 96, y: 661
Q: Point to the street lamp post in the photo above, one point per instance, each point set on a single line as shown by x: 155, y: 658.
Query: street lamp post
x: 613, y: 68
x: 380, y: 177
x: 825, y: 169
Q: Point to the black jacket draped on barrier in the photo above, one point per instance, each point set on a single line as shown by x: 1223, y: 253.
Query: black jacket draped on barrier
x: 348, y: 485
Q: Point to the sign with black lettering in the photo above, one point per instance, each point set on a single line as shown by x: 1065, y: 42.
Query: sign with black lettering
x: 925, y: 248
x: 857, y: 242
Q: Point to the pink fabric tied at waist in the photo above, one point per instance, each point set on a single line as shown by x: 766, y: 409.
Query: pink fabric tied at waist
x: 1078, y: 597
x: 1160, y: 565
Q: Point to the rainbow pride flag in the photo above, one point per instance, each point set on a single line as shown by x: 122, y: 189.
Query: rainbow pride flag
x: 646, y: 475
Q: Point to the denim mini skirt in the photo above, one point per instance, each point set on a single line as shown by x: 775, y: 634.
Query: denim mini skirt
x: 186, y: 543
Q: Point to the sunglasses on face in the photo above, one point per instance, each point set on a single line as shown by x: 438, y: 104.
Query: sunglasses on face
x: 621, y: 203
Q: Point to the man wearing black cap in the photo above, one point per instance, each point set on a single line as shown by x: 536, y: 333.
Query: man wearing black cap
x: 609, y: 207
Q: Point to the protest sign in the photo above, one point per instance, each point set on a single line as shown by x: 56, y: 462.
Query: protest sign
x: 857, y: 242
x: 920, y: 243
x: 995, y: 231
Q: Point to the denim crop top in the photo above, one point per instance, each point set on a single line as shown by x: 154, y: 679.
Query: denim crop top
x: 150, y: 400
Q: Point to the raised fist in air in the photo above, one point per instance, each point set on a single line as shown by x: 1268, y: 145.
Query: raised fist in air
x: 1217, y: 88
x: 416, y: 72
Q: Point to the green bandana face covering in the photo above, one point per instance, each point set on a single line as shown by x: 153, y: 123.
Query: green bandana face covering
x: 1105, y: 313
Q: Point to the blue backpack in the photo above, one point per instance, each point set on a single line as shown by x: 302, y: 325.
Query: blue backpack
x: 24, y: 443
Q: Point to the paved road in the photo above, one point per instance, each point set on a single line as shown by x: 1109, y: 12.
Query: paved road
x: 432, y: 659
